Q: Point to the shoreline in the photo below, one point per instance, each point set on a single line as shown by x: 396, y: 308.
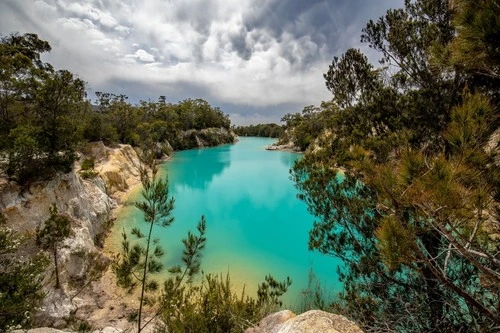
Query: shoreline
x: 104, y: 303
x: 289, y: 147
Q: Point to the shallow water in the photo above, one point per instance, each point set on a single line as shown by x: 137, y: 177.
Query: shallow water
x: 255, y: 223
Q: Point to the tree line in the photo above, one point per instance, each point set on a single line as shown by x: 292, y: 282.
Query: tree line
x: 45, y: 115
x: 270, y: 130
x: 414, y: 215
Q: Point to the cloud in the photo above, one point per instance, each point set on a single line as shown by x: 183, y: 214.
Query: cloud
x: 141, y: 55
x: 257, y: 59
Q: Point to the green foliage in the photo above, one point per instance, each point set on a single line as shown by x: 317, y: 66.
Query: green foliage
x: 394, y: 243
x: 137, y: 262
x: 350, y: 78
x: 270, y: 291
x: 263, y: 130
x: 21, y: 279
x: 413, y: 215
x: 87, y: 169
x: 23, y: 152
x: 152, y: 122
x: 213, y: 307
x: 478, y: 27
x: 55, y: 230
x: 79, y: 325
x: 39, y: 110
x: 303, y: 128
x: 44, y: 115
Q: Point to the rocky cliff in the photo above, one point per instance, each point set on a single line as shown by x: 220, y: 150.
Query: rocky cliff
x: 207, y: 137
x: 88, y: 201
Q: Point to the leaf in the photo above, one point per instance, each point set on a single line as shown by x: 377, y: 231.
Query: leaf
x: 394, y: 243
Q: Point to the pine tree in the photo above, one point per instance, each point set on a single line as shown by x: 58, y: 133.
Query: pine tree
x: 55, y: 230
x: 136, y: 263
x: 414, y: 216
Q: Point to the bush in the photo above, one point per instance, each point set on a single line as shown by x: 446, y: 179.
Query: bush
x: 88, y: 164
x: 20, y: 281
x: 213, y: 307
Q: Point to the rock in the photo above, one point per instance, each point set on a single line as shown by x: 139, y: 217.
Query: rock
x: 88, y: 202
x: 40, y: 330
x: 53, y: 330
x: 314, y: 321
x: 56, y: 306
x: 119, y: 169
x: 111, y: 330
x: 286, y: 147
x: 269, y: 323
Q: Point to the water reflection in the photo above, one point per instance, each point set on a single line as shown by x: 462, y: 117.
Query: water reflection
x: 211, y: 162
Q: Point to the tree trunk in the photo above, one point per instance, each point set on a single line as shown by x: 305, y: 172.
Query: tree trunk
x: 139, y: 317
x: 57, y: 267
x: 431, y: 241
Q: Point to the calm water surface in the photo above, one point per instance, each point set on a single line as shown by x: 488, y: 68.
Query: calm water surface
x: 255, y: 223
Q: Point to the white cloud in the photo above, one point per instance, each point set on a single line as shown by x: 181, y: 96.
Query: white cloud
x: 191, y: 48
x: 141, y: 55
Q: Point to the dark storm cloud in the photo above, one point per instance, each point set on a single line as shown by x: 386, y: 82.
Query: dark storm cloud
x: 199, y: 15
x: 240, y: 43
x: 257, y: 59
x: 137, y: 90
x: 324, y: 23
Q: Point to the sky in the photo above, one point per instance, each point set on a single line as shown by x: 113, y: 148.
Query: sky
x: 255, y: 59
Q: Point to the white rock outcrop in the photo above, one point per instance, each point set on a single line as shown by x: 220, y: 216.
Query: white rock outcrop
x: 88, y: 202
x: 314, y: 321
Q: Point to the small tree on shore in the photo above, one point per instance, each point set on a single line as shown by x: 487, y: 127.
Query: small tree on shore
x: 56, y: 229
x: 134, y: 265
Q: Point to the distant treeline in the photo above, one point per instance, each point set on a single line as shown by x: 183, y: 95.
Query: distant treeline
x: 45, y: 115
x: 264, y: 130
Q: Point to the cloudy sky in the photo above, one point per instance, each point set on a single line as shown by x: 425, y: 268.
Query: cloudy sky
x: 255, y: 59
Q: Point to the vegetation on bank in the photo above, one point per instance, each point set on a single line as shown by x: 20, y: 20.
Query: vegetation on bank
x: 415, y: 218
x: 263, y: 130
x: 45, y: 116
x: 21, y: 280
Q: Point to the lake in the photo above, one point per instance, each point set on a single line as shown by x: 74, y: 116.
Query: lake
x: 255, y: 223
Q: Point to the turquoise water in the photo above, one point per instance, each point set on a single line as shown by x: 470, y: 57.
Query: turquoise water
x: 255, y: 223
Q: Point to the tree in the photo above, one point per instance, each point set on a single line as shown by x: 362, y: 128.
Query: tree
x: 55, y: 230
x: 21, y: 280
x: 478, y: 30
x: 20, y: 69
x: 414, y: 215
x: 350, y: 77
x: 263, y: 130
x: 39, y: 110
x: 134, y: 265
x: 21, y: 73
x: 59, y: 102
